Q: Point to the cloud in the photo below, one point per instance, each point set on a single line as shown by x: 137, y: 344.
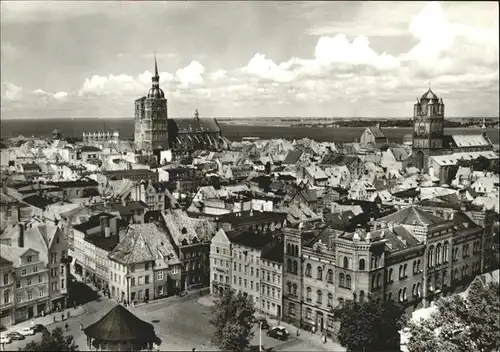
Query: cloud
x: 344, y: 71
x: 191, y: 74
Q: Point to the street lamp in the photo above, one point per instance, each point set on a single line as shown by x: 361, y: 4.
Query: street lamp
x: 260, y: 336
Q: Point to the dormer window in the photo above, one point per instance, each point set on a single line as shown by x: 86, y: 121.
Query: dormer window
x: 184, y: 230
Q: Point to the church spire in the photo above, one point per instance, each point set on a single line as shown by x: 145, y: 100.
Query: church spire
x: 156, y: 77
x: 483, y: 127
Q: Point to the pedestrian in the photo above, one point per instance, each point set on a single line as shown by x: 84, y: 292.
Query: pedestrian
x: 68, y: 314
x: 54, y: 317
x: 298, y: 332
x: 313, y: 330
x: 66, y: 326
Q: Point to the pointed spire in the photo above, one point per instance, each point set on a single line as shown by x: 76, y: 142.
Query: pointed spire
x: 156, y: 67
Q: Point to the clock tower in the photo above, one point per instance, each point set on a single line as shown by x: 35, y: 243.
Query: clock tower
x: 428, y: 129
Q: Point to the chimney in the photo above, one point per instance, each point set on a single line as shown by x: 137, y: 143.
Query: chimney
x: 103, y: 219
x: 20, y: 239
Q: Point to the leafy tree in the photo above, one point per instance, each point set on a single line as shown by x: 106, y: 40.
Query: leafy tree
x: 459, y: 324
x: 232, y: 317
x: 372, y: 325
x: 481, y: 164
x: 52, y: 341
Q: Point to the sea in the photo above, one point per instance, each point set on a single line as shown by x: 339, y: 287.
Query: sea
x: 233, y: 131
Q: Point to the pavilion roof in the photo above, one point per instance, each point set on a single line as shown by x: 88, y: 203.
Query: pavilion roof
x: 119, y: 324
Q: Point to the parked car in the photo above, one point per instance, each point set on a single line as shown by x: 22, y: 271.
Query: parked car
x: 39, y: 328
x: 27, y: 331
x: 4, y: 340
x: 278, y: 332
x: 15, y: 336
x: 263, y: 323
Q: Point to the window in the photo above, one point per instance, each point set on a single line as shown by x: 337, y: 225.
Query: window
x: 6, y: 296
x: 289, y: 285
x: 291, y: 309
x: 257, y: 273
x: 18, y: 298
x: 319, y: 297
x: 289, y: 265
x: 239, y: 268
x: 361, y: 264
x: 29, y: 259
x: 378, y: 280
x: 146, y: 279
x: 330, y: 300
x: 30, y: 295
x: 346, y: 263
x: 256, y: 286
x: 295, y: 289
x: 295, y: 267
x: 308, y: 294
x: 53, y: 258
x: 132, y: 268
x: 401, y: 275
x: 348, y: 281
x: 308, y: 270
x: 5, y: 279
x: 28, y: 282
x: 389, y: 277
x: 308, y: 313
x: 329, y: 276
x: 217, y: 249
x: 23, y: 272
x: 132, y: 281
x: 430, y: 257
x: 438, y: 254
x: 159, y: 275
x: 234, y: 267
x: 341, y: 280
x: 414, y: 267
x: 62, y: 284
x: 320, y: 273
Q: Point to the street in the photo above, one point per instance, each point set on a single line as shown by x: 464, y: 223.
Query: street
x: 181, y: 323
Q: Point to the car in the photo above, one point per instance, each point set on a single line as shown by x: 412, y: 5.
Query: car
x: 4, y: 340
x: 39, y: 328
x: 263, y: 323
x: 27, y: 331
x: 278, y: 332
x: 15, y: 336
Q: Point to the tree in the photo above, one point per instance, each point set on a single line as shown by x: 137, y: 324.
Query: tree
x: 232, y: 317
x: 52, y: 341
x: 459, y: 324
x: 372, y: 325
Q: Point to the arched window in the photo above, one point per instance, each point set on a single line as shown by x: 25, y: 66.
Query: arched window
x: 405, y: 297
x: 419, y: 290
x: 330, y: 300
x: 400, y: 298
x: 361, y: 264
x: 319, y: 297
x: 390, y: 274
x: 320, y: 273
x: 289, y: 265
x: 308, y: 293
x: 414, y: 267
x: 308, y: 270
x: 295, y: 289
x: 346, y: 263
x: 430, y: 257
x: 361, y: 296
x: 348, y: 281
x: 379, y: 276
x: 288, y: 249
x: 289, y: 284
x: 445, y: 252
x: 296, y: 250
x: 400, y: 271
x: 414, y: 290
x: 404, y: 270
x: 438, y: 254
x: 329, y: 276
x: 295, y: 267
x: 342, y: 280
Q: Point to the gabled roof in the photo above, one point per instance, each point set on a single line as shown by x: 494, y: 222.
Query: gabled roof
x: 120, y: 325
x: 413, y: 215
x: 377, y: 133
x: 292, y: 157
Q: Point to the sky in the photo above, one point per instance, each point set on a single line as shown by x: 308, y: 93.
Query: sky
x: 248, y: 59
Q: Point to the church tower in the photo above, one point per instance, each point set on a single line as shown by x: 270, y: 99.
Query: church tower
x: 151, y: 118
x: 428, y: 129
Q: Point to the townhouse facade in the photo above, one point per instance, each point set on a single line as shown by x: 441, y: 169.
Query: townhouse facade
x: 220, y: 263
x: 271, y: 281
x: 25, y: 285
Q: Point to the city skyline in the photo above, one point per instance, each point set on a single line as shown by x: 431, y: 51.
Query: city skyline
x: 241, y: 59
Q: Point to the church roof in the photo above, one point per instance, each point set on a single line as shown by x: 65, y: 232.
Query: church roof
x: 190, y: 125
x: 377, y: 133
x: 120, y: 325
x: 413, y: 216
x: 429, y: 95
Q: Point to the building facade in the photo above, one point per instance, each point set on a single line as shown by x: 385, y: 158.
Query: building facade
x: 6, y: 293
